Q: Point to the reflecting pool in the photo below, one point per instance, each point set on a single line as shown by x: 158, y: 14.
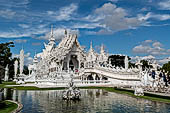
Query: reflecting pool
x: 92, y: 101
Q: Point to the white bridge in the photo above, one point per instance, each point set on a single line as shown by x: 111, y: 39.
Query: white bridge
x: 92, y: 76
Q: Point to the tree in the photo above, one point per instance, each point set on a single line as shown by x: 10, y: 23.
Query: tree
x: 166, y: 67
x: 5, y: 58
x: 117, y: 60
x: 145, y: 64
x: 132, y: 65
x: 26, y: 71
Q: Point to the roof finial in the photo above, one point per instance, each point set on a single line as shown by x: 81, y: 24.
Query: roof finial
x: 65, y: 32
x: 51, y: 30
x: 22, y: 47
x: 91, y: 45
x: 102, y: 48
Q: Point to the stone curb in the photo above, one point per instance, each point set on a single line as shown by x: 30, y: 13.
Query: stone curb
x: 20, y: 106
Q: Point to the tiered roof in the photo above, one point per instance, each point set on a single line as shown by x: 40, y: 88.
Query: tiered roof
x: 65, y: 46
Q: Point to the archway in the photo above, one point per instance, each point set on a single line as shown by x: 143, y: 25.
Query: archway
x: 73, y: 63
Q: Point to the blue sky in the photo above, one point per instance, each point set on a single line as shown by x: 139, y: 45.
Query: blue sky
x: 132, y: 27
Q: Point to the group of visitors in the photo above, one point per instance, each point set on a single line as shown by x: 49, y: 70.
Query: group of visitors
x: 165, y: 77
x: 158, y: 81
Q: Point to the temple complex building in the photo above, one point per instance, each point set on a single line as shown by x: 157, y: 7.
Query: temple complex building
x: 54, y: 64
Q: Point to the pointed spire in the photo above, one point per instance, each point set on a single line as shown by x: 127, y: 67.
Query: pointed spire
x: 102, y: 49
x: 22, y: 47
x: 91, y: 45
x: 52, y: 39
x: 65, y: 32
x: 35, y: 56
x: 51, y: 30
x: 35, y: 60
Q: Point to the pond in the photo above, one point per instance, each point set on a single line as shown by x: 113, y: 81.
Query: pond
x: 92, y: 101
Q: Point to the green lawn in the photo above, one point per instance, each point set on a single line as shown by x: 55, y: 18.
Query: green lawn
x: 34, y: 88
x: 6, y: 83
x: 7, y: 107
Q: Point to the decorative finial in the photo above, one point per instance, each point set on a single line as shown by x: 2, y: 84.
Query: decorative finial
x: 22, y: 47
x: 102, y: 49
x: 65, y: 32
x: 35, y: 53
x: 52, y: 30
x: 91, y: 44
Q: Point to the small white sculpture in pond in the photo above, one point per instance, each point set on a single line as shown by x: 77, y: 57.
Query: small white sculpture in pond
x: 139, y: 91
x: 15, y: 69
x: 6, y: 73
x: 21, y: 61
x: 72, y: 93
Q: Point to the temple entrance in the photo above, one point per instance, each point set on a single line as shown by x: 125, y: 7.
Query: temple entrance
x: 73, y: 63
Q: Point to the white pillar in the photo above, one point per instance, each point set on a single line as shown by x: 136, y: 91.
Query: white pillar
x: 68, y: 63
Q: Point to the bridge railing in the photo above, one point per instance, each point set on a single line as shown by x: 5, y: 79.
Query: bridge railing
x: 76, y: 82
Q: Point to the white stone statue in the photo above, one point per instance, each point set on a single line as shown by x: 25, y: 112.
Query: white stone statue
x: 21, y: 61
x: 139, y: 91
x: 16, y: 68
x: 6, y: 73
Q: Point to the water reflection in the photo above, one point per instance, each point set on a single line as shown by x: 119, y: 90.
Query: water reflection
x: 92, y: 101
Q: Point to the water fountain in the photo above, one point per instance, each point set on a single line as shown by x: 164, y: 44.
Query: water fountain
x: 72, y: 92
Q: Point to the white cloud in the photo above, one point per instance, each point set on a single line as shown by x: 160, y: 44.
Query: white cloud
x: 86, y: 25
x: 156, y: 44
x: 23, y: 33
x: 150, y: 47
x: 14, y: 3
x: 64, y: 13
x: 163, y: 61
x: 165, y: 5
x: 8, y: 14
x: 151, y: 15
x: 113, y: 0
x: 20, y: 41
x: 114, y: 18
x: 148, y: 41
x: 137, y: 58
x: 23, y: 25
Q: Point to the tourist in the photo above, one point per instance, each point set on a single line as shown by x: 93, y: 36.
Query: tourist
x: 164, y: 79
x: 153, y: 74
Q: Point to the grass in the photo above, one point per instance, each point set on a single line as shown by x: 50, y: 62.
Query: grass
x: 7, y: 107
x: 148, y: 96
x: 6, y: 83
x: 34, y: 88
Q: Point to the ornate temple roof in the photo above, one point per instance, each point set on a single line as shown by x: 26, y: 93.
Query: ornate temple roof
x: 91, y: 55
x: 65, y: 46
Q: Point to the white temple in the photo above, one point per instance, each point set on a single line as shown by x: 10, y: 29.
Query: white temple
x: 54, y: 64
